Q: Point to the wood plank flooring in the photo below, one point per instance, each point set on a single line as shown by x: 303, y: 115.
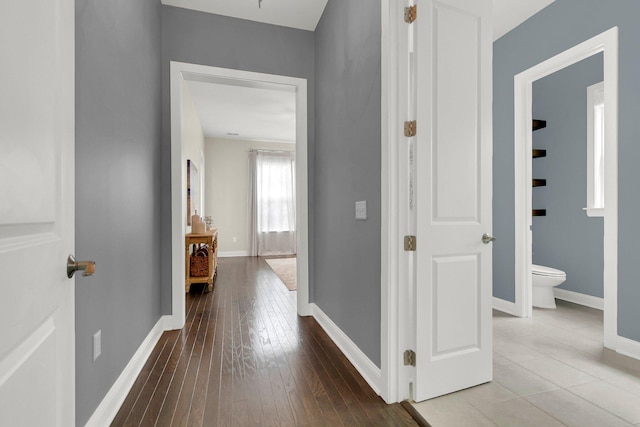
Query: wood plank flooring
x: 244, y: 358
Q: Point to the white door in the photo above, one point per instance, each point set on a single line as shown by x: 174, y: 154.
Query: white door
x: 36, y: 213
x: 453, y: 196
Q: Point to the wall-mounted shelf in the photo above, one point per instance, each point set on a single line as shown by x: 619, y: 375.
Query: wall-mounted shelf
x: 536, y: 125
x: 539, y: 124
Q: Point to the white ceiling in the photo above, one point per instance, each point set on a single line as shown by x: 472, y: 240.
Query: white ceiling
x: 251, y: 113
x: 269, y: 115
x: 301, y: 14
x: 508, y: 14
x: 305, y: 14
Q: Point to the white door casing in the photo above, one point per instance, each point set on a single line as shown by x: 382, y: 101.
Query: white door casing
x: 607, y: 43
x: 37, y: 349
x: 182, y: 71
x: 454, y: 196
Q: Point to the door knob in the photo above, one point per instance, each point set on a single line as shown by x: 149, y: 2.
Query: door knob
x: 486, y: 239
x: 89, y: 267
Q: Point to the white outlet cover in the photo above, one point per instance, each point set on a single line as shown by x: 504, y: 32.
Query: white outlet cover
x: 361, y: 210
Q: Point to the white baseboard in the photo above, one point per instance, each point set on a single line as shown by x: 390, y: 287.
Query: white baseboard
x: 231, y: 254
x: 581, y: 299
x: 504, y: 306
x: 173, y: 322
x: 305, y: 309
x: 628, y: 347
x: 369, y: 371
x: 110, y: 405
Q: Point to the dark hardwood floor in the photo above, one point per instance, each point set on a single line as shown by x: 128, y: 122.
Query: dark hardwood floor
x: 244, y: 358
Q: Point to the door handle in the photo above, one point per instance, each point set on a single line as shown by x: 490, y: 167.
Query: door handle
x: 89, y: 267
x: 486, y: 239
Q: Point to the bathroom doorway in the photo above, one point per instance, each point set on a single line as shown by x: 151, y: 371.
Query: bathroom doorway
x: 605, y: 44
x: 567, y: 233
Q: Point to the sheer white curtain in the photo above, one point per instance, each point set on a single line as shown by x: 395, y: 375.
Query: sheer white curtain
x: 272, y: 212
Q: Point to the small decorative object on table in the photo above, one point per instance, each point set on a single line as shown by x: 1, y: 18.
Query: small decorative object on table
x: 197, y: 225
x: 209, y: 221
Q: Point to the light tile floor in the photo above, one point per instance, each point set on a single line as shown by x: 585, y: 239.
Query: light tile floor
x: 549, y: 370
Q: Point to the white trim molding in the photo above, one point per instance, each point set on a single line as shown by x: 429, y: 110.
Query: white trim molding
x: 505, y: 306
x: 388, y: 316
x: 182, y: 71
x: 397, y: 322
x: 578, y: 298
x: 369, y: 371
x: 110, y: 405
x: 607, y: 43
x: 628, y: 347
x: 388, y: 270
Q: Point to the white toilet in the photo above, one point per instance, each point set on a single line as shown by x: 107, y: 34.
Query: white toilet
x: 544, y: 279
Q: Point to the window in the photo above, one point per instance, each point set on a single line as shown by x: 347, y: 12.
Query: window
x: 276, y: 192
x: 595, y: 150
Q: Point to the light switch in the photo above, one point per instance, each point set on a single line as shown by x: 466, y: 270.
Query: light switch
x: 361, y: 210
x: 97, y: 344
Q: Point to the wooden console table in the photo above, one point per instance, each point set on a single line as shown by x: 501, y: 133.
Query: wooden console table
x: 210, y: 238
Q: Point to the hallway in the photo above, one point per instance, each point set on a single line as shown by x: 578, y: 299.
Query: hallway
x: 245, y: 358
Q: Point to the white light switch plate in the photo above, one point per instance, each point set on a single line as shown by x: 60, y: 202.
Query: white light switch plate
x: 361, y: 210
x: 97, y: 344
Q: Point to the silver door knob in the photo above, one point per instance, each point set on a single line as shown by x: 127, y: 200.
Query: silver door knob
x: 486, y: 239
x: 89, y: 267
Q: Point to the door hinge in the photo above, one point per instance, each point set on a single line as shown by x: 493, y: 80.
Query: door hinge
x: 410, y: 243
x: 409, y: 358
x: 410, y: 128
x: 410, y: 14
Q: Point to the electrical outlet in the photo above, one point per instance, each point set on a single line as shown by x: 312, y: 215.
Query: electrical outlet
x: 97, y: 344
x: 361, y: 210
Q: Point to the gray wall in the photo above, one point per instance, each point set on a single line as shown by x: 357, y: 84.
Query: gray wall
x: 566, y: 238
x: 556, y: 28
x: 347, y: 164
x: 117, y: 187
x: 219, y: 41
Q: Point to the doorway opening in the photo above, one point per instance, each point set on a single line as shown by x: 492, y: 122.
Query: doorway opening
x: 607, y: 44
x: 185, y: 72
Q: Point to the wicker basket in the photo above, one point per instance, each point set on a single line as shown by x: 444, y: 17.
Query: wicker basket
x: 200, y: 262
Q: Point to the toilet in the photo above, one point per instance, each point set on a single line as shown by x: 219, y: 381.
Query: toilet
x: 544, y: 279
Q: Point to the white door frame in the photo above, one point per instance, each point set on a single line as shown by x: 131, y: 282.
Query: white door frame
x: 397, y: 326
x: 180, y: 72
x: 606, y: 42
x: 389, y: 198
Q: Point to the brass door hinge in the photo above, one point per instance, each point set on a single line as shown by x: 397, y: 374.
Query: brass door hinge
x: 410, y: 128
x: 410, y: 243
x: 410, y: 14
x: 409, y: 358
